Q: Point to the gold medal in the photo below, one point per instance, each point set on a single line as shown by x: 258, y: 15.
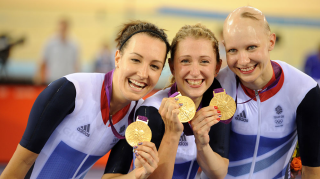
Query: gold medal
x: 187, y: 110
x: 138, y: 131
x: 225, y: 104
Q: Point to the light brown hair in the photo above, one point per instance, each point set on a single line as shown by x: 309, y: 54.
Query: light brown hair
x: 253, y: 17
x: 197, y: 31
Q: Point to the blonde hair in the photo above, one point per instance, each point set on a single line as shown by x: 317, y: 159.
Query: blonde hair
x: 197, y: 31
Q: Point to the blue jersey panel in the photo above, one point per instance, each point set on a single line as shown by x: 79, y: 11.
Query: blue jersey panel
x: 262, y: 164
x: 66, y: 160
x: 243, y: 144
x: 267, y: 144
x: 181, y: 170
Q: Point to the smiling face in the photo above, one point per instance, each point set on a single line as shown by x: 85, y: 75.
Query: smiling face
x: 138, y: 68
x: 194, y: 66
x: 247, y: 44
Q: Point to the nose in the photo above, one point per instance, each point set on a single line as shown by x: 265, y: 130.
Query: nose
x: 243, y: 59
x: 143, y: 71
x: 195, y: 70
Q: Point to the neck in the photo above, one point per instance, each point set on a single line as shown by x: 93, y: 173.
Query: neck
x: 117, y: 101
x: 262, y: 81
x: 197, y: 101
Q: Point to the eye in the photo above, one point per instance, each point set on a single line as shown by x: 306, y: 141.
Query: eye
x: 185, y: 61
x: 155, y: 67
x: 252, y: 47
x: 232, y: 51
x: 135, y: 60
x: 205, y: 61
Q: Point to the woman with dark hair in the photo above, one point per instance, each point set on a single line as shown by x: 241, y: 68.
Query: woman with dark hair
x: 78, y: 118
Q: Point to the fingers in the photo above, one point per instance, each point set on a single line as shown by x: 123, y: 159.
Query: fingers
x: 147, y: 155
x: 205, y: 118
x: 169, y: 111
x: 168, y: 105
x: 148, y: 148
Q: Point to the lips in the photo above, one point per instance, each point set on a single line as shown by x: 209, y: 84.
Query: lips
x: 136, y: 84
x: 247, y: 70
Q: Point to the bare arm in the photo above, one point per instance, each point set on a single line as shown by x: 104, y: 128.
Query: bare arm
x: 212, y: 164
x: 169, y: 111
x: 20, y: 163
x: 310, y: 172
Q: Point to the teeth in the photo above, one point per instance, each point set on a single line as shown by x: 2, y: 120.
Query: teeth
x: 194, y: 82
x: 137, y: 83
x: 247, y: 69
x: 132, y: 86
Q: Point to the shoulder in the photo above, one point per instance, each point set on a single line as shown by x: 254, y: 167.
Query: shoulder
x: 155, y: 100
x: 227, y: 80
x: 86, y: 78
x: 293, y: 76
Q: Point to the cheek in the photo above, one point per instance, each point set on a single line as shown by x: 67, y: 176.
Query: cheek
x: 154, y: 77
x: 231, y: 59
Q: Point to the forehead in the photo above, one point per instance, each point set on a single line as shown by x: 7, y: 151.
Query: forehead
x: 196, y: 45
x: 244, y: 30
x: 147, y: 46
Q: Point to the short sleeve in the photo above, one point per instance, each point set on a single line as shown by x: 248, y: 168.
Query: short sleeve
x: 52, y: 105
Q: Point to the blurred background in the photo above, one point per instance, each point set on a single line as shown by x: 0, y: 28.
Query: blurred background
x: 29, y: 30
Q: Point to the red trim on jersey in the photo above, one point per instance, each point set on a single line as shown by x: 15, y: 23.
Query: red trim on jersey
x: 268, y: 94
x: 105, y: 109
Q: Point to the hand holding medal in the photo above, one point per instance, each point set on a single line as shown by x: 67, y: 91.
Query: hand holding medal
x: 225, y: 104
x: 188, y: 108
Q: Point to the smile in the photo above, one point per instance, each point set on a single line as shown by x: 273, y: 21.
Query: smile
x: 247, y: 70
x: 194, y: 82
x: 136, y: 85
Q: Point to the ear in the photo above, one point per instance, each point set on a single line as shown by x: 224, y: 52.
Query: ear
x: 171, y: 65
x: 218, y: 66
x: 117, y: 58
x: 272, y: 41
x: 223, y: 43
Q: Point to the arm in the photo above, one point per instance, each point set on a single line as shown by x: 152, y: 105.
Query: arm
x: 20, y: 163
x: 49, y: 109
x: 308, y: 123
x: 169, y: 111
x: 212, y: 164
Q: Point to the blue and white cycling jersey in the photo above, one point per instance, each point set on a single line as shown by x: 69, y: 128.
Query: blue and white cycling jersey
x: 81, y: 138
x: 264, y: 130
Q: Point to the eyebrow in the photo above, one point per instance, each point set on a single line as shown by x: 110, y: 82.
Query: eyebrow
x: 142, y: 57
x: 200, y: 56
x: 136, y: 54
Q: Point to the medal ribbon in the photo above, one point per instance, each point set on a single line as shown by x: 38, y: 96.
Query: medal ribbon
x: 277, y: 70
x: 187, y: 129
x: 108, y: 89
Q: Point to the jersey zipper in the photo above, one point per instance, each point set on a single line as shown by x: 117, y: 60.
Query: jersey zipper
x: 190, y: 168
x: 258, y: 136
